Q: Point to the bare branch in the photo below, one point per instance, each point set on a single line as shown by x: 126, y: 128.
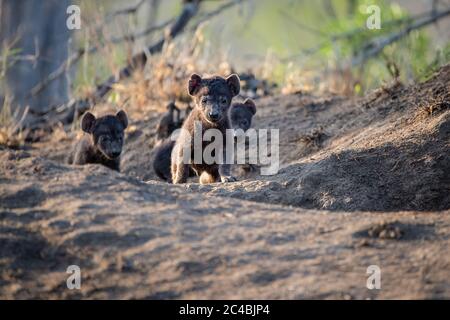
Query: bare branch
x: 69, y: 111
x: 376, y: 46
x: 139, y: 60
x: 357, y: 31
x: 206, y: 16
x: 73, y: 108
x: 74, y: 58
x: 302, y: 25
x: 125, y: 11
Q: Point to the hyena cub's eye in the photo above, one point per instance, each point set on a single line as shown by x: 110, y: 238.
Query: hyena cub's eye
x: 204, y: 100
x: 223, y: 100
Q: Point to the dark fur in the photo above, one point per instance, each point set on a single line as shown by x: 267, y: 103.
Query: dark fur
x: 102, y: 142
x: 167, y: 124
x: 187, y: 111
x: 241, y: 115
x: 212, y: 98
x: 161, y: 162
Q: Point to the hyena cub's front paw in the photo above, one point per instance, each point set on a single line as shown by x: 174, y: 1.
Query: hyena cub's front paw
x: 228, y: 179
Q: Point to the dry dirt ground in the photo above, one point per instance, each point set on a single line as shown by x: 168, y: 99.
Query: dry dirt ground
x: 363, y: 182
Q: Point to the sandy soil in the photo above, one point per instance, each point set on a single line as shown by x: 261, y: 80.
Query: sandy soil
x: 363, y: 182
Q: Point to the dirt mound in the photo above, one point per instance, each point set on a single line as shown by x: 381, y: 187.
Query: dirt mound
x: 382, y: 153
x: 156, y: 241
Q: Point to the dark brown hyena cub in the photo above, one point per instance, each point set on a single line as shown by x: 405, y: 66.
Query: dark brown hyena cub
x: 161, y: 162
x: 212, y: 98
x: 168, y: 123
x: 241, y: 115
x: 103, y: 144
x: 241, y: 118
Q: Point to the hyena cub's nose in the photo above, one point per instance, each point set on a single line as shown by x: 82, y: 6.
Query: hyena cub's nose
x: 115, y: 154
x: 214, y: 115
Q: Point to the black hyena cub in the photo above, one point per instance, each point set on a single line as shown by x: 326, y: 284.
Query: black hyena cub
x: 241, y: 115
x: 212, y: 98
x: 168, y: 123
x: 103, y: 144
x: 162, y: 161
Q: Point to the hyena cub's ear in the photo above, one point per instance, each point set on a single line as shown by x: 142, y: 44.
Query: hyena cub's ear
x: 195, y: 83
x: 251, y: 105
x: 234, y: 83
x: 122, y: 117
x: 87, y: 123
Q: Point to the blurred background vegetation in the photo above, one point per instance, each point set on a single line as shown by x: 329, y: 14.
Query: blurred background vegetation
x: 300, y: 45
x: 286, y: 46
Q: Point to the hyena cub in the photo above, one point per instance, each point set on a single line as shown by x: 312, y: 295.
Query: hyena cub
x: 240, y: 114
x: 162, y: 161
x: 168, y: 122
x: 103, y: 144
x: 212, y: 98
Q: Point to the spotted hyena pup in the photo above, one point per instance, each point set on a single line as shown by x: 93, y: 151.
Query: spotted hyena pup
x: 102, y: 142
x: 240, y: 115
x: 212, y: 97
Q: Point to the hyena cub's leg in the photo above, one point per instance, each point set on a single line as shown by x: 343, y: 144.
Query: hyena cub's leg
x: 225, y: 173
x: 225, y: 170
x: 180, y: 170
x: 207, y: 178
x: 180, y: 173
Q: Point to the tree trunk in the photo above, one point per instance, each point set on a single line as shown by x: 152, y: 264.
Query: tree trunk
x: 37, y: 28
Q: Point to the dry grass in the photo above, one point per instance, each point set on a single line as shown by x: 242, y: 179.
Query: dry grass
x: 314, y: 139
x: 437, y: 104
x: 164, y: 78
x: 387, y: 89
x: 335, y: 80
x: 298, y: 81
x: 385, y: 230
x: 11, y: 133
